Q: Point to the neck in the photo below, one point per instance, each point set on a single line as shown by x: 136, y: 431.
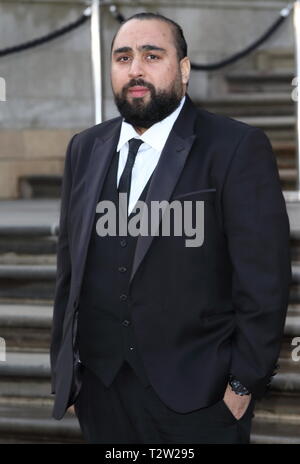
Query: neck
x: 140, y: 130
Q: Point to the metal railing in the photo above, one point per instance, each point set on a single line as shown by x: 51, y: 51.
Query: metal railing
x: 296, y: 195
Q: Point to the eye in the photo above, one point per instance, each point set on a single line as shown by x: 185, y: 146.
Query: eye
x: 123, y: 59
x: 152, y: 57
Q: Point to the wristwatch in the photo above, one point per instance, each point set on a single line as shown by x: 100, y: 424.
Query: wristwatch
x: 237, y: 386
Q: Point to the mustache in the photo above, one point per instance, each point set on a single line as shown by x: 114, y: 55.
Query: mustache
x: 140, y: 82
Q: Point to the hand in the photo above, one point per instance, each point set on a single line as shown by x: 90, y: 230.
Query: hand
x: 236, y: 404
x: 71, y: 409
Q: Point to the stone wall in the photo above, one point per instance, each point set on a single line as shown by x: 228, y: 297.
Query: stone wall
x: 49, y: 88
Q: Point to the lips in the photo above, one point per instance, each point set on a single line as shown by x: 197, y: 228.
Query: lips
x: 138, y: 91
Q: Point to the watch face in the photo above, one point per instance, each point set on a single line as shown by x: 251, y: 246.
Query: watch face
x: 238, y: 388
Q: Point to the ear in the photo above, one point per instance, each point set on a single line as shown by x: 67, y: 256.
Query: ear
x: 185, y: 67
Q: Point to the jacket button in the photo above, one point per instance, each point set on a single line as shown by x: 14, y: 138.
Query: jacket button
x: 126, y: 323
x: 123, y: 242
x: 122, y: 269
x: 123, y: 297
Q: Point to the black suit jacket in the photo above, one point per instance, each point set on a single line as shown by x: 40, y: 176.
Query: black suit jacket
x: 199, y: 313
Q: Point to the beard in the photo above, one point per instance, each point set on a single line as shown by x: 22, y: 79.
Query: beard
x: 161, y: 104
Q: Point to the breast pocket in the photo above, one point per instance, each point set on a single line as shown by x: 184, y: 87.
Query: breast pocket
x: 203, y: 194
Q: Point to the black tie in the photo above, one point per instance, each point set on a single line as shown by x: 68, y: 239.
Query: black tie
x: 125, y: 180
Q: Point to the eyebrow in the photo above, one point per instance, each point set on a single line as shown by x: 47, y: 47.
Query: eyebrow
x: 147, y: 47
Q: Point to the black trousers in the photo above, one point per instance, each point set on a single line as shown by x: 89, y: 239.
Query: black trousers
x: 128, y: 412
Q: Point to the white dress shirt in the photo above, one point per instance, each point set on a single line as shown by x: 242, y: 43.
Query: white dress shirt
x: 148, y: 154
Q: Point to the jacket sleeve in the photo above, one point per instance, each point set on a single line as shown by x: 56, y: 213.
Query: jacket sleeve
x: 257, y: 230
x: 63, y: 272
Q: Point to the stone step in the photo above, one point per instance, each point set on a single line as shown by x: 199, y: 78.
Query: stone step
x: 293, y: 208
x: 287, y: 175
x: 26, y: 375
x: 260, y: 81
x: 28, y: 423
x: 37, y: 241
x: 40, y: 186
x: 26, y: 327
x: 248, y: 107
x: 285, y: 152
x: 28, y: 239
x: 25, y: 406
x: 17, y: 259
x: 22, y: 315
x: 287, y: 379
x: 27, y: 281
x: 288, y: 178
x: 35, y: 249
x: 295, y: 287
x: 292, y: 322
x: 257, y: 109
x: 275, y: 433
x: 277, y: 128
x: 277, y: 419
x: 278, y: 408
x: 296, y: 272
x: 270, y: 122
x: 32, y: 423
x: 294, y: 296
x: 250, y: 104
x: 37, y: 281
x: 32, y: 245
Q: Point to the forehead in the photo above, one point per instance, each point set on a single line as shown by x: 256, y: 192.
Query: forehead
x: 136, y: 32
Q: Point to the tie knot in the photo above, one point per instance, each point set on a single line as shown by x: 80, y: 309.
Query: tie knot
x: 134, y: 145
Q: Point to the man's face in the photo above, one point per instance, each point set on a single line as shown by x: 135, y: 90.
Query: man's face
x: 148, y: 81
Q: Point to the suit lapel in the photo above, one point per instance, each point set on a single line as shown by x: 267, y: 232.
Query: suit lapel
x: 102, y: 152
x: 167, y: 172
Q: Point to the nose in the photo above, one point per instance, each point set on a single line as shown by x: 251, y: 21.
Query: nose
x: 136, y: 68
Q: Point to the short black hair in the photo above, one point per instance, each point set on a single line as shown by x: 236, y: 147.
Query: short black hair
x: 180, y: 42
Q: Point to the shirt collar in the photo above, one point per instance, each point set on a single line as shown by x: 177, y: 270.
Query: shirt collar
x: 156, y: 136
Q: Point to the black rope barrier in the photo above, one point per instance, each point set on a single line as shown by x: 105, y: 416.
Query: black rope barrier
x: 46, y: 38
x: 250, y: 48
x: 120, y: 18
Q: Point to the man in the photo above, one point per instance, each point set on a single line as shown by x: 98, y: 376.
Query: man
x: 155, y: 340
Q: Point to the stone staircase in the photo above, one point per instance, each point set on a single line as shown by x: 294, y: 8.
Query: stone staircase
x: 277, y: 416
x: 263, y: 99
x: 27, y: 278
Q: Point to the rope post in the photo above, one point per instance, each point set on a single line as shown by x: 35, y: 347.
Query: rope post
x: 96, y: 31
x: 297, y: 57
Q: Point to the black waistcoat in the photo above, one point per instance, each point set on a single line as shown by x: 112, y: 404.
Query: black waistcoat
x: 105, y: 332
